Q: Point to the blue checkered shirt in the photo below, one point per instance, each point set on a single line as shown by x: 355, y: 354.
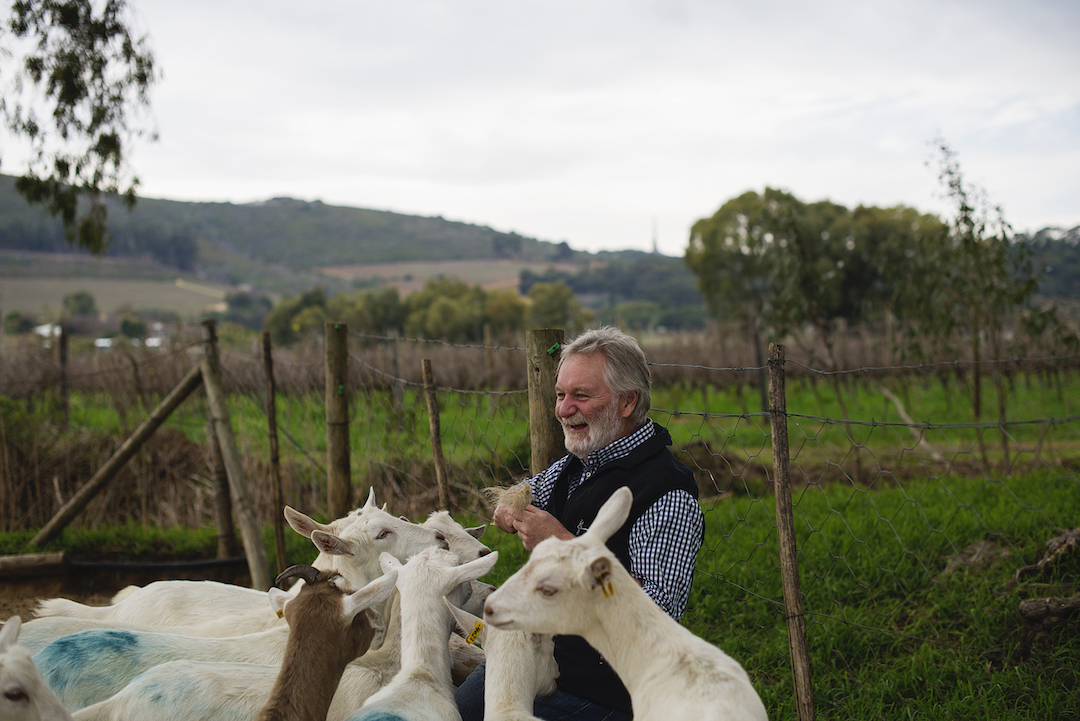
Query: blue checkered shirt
x: 664, y: 541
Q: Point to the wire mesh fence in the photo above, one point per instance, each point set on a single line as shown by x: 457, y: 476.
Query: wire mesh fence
x: 911, y: 514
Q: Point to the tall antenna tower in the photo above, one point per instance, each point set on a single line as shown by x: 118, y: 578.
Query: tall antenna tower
x: 655, y: 238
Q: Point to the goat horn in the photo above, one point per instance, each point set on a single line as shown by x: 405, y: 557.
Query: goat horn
x: 308, y: 573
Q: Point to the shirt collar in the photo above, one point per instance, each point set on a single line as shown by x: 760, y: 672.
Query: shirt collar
x: 620, y: 448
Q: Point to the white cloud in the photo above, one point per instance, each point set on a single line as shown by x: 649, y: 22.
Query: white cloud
x: 584, y: 121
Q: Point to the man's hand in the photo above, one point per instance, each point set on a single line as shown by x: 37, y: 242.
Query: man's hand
x: 504, y: 518
x: 533, y: 525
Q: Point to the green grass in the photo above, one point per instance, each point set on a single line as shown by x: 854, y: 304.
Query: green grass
x: 893, y: 630
x: 890, y: 633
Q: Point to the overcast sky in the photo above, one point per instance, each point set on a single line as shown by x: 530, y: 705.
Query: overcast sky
x: 597, y: 122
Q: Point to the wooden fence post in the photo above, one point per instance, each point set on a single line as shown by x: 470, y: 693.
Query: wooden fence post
x: 785, y: 530
x: 275, y: 462
x: 124, y: 453
x: 436, y: 435
x: 242, y: 503
x: 226, y: 535
x: 338, y: 481
x: 65, y: 386
x: 545, y: 432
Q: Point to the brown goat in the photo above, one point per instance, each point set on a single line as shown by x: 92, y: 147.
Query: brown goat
x: 328, y: 628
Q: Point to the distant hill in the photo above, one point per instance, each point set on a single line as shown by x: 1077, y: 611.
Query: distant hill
x: 272, y: 244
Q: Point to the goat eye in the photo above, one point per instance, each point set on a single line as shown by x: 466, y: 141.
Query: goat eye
x: 383, y: 534
x: 547, y: 590
x: 16, y: 695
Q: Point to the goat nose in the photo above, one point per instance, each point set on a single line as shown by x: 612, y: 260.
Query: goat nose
x: 443, y: 543
x: 484, y: 551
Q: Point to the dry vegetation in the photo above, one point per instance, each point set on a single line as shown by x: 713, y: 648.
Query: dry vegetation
x: 171, y: 481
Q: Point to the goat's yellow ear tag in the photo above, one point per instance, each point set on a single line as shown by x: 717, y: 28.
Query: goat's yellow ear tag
x: 281, y: 613
x: 471, y: 638
x: 605, y: 584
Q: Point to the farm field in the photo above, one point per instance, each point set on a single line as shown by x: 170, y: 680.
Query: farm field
x: 189, y: 298
x: 411, y: 276
x: 912, y: 517
x: 43, y: 297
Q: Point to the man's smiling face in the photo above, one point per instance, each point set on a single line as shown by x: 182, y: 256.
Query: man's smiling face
x: 591, y: 416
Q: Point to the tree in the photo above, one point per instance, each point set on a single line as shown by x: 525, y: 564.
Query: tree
x: 504, y: 311
x: 293, y: 316
x: 447, y: 308
x: 70, y: 96
x: 79, y: 303
x: 978, y: 278
x: 554, y: 306
x: 777, y: 265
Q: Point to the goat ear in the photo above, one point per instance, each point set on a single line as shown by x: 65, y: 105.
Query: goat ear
x: 474, y: 629
x: 9, y: 634
x: 477, y: 568
x: 599, y: 575
x: 476, y: 531
x: 389, y: 562
x: 302, y: 523
x: 278, y: 599
x: 375, y: 592
x: 612, y: 515
x: 329, y: 543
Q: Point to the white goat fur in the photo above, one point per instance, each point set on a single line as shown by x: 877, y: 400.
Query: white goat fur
x: 24, y: 695
x: 422, y: 689
x: 216, y: 691
x: 579, y: 587
x: 219, y: 691
x: 353, y: 552
x: 520, y: 667
x: 90, y: 666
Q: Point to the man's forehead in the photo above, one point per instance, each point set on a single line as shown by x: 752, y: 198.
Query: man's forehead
x: 584, y: 374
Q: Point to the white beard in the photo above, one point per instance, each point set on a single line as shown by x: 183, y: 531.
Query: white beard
x: 605, y: 427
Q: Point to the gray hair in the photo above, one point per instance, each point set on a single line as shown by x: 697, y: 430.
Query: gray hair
x: 626, y: 370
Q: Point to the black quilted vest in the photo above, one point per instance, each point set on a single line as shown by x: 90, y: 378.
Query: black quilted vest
x: 650, y: 470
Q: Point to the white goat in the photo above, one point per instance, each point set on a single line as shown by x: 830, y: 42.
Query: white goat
x: 90, y: 666
x: 465, y: 542
x: 422, y: 689
x: 579, y: 587
x: 520, y: 667
x: 328, y: 630
x: 24, y: 696
x: 219, y: 691
x: 170, y: 605
x: 214, y: 691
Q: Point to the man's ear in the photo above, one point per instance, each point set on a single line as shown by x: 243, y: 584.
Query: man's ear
x: 628, y: 403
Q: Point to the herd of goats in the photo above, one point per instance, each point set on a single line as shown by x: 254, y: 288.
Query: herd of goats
x: 381, y: 626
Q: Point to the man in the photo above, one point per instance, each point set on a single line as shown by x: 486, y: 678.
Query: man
x: 603, y: 395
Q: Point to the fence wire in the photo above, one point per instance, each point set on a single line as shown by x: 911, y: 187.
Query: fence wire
x: 912, y: 515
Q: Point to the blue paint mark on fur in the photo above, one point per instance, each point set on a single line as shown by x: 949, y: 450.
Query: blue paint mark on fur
x: 73, y: 664
x: 374, y: 715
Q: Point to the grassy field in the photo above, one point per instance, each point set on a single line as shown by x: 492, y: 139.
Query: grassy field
x: 894, y: 628
x: 43, y: 297
x: 907, y: 552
